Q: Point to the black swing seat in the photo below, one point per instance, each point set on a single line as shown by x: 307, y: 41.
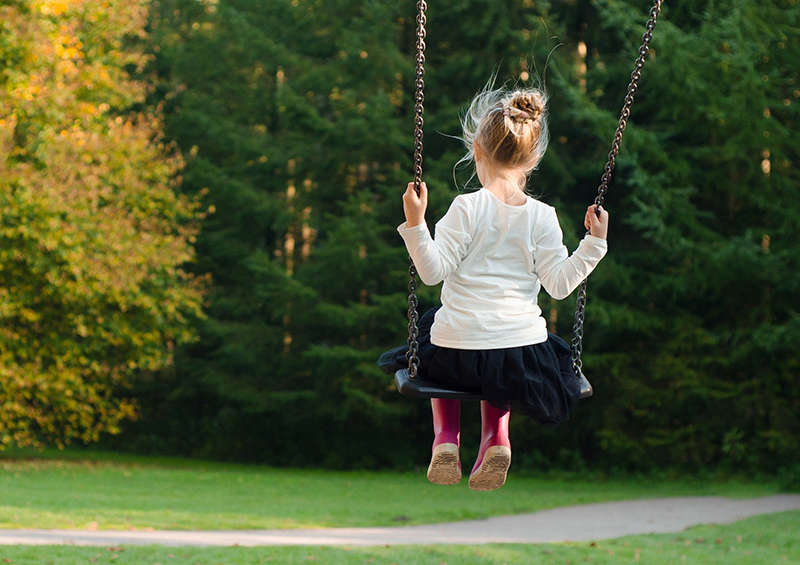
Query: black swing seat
x: 423, y: 388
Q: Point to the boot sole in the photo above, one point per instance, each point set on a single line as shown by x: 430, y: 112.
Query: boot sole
x: 444, y: 468
x: 492, y: 472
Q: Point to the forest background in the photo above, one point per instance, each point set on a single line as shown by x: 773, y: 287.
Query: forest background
x: 198, y: 203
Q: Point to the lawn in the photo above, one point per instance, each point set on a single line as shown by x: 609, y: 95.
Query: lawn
x: 106, y: 491
x: 760, y: 540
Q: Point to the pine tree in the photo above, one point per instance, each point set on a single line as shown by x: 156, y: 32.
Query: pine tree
x: 693, y: 318
x: 297, y: 118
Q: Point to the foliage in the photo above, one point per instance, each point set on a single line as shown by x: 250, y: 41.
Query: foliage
x: 698, y: 321
x: 92, y: 233
x: 297, y: 119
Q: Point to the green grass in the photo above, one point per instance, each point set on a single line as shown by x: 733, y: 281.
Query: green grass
x: 115, y: 492
x: 771, y: 539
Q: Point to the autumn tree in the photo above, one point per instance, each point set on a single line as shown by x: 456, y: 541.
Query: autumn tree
x: 92, y: 232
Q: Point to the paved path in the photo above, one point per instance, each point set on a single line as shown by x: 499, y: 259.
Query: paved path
x: 574, y: 523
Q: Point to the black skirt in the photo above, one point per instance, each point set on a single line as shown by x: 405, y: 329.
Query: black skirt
x: 534, y: 380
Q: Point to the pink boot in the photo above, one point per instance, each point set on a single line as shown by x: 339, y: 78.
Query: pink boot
x: 445, y: 467
x: 494, y: 456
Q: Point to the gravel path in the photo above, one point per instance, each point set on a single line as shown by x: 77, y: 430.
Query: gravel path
x: 574, y: 523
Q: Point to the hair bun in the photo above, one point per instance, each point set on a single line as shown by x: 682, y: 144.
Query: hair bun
x: 509, y: 126
x: 524, y: 107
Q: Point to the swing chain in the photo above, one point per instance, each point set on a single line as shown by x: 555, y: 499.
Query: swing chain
x: 644, y: 50
x: 419, y: 109
x: 419, y: 95
x: 577, y: 329
x: 413, y: 322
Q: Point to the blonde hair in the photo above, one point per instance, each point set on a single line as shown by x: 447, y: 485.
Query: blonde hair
x: 509, y: 125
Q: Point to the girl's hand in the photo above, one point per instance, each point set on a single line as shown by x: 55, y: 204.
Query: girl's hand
x: 414, y: 206
x: 598, y: 227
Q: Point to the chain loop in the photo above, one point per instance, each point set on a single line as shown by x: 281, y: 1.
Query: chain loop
x: 419, y: 109
x: 644, y: 50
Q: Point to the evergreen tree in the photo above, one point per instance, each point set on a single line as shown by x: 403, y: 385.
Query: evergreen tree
x: 297, y: 118
x: 692, y: 319
x: 699, y: 306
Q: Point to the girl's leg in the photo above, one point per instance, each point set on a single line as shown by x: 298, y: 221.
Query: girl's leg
x: 445, y: 467
x: 446, y: 421
x: 494, y: 427
x: 494, y: 456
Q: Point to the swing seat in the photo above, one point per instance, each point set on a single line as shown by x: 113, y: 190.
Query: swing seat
x: 423, y: 388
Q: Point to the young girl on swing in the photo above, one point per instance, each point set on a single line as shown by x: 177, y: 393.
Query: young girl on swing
x: 494, y: 249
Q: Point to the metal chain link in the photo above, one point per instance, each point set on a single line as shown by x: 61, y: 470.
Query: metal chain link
x: 644, y: 49
x: 419, y: 110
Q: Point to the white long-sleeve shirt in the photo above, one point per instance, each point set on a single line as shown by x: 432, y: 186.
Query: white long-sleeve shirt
x: 493, y: 259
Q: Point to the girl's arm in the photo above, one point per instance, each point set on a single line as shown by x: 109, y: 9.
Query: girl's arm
x: 436, y: 258
x: 559, y: 272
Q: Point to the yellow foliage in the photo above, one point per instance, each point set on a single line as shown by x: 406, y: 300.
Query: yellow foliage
x: 53, y: 7
x: 93, y: 235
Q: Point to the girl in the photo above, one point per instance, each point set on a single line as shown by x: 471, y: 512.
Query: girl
x: 494, y: 249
